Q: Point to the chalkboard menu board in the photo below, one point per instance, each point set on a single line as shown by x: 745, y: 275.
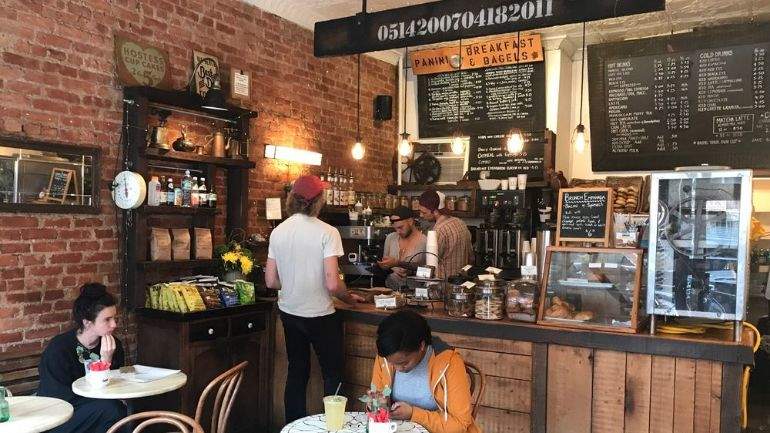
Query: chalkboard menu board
x: 681, y: 100
x: 492, y: 100
x: 584, y: 215
x: 486, y: 153
x: 59, y: 184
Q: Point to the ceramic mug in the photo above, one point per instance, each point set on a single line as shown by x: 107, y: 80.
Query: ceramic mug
x: 382, y: 427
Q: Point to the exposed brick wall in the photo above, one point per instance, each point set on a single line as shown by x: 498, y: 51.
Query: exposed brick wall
x: 57, y: 81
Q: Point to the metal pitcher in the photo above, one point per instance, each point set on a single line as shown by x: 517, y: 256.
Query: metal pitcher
x: 233, y: 148
x: 217, y: 141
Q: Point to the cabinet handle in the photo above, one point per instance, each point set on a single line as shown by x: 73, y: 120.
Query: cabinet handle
x: 211, y: 331
x: 250, y: 325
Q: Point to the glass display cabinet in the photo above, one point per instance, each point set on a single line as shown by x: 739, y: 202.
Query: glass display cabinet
x: 594, y: 288
x: 698, y: 263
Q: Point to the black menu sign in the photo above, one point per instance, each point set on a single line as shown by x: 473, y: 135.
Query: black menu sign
x: 584, y: 215
x: 487, y: 153
x: 683, y: 100
x: 492, y: 100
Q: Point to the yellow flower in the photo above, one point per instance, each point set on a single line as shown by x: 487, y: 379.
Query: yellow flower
x: 246, y: 265
x: 229, y: 257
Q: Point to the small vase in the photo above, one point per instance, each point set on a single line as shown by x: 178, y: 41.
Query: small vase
x: 231, y: 276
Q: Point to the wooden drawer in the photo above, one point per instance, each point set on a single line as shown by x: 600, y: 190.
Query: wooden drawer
x: 208, y: 330
x: 248, y: 324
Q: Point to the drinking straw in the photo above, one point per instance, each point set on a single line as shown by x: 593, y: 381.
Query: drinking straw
x: 338, y: 389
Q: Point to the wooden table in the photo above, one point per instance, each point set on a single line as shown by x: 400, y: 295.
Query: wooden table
x: 122, y: 389
x: 36, y: 414
x: 355, y: 422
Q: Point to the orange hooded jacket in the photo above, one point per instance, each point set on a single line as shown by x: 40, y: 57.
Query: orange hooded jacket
x: 450, y: 386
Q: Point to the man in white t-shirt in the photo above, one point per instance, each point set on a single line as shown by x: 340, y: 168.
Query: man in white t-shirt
x: 302, y: 262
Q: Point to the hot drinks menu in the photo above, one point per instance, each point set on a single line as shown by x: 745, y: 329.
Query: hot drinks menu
x: 690, y: 99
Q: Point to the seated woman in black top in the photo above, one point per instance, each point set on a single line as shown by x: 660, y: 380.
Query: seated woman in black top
x: 94, y: 314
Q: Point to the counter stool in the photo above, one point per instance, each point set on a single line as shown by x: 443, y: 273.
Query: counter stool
x: 183, y: 423
x: 227, y: 385
x: 476, y: 394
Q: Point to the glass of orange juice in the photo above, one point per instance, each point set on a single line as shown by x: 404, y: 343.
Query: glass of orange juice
x: 334, y: 408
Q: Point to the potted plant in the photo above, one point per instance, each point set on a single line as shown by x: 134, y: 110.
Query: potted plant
x: 235, y: 261
x: 378, y: 410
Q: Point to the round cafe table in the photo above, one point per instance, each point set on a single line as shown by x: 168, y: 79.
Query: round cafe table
x: 35, y: 414
x: 121, y: 389
x: 355, y: 422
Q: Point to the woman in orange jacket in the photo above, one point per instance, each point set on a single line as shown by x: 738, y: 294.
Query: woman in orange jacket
x: 428, y: 379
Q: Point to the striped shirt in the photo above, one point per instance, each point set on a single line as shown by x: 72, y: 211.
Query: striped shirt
x: 454, y: 246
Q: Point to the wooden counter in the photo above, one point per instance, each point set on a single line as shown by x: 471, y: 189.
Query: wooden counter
x: 541, y: 379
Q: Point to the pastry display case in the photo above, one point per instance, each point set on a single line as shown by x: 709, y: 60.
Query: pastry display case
x: 698, y: 262
x: 595, y: 288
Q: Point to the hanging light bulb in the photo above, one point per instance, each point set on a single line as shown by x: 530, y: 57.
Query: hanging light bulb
x: 405, y: 147
x: 458, y: 145
x: 515, y: 142
x: 358, y: 150
x: 579, y: 139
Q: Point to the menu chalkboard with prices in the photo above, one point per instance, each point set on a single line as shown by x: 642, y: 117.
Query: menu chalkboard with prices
x: 492, y: 100
x: 584, y: 215
x: 487, y: 153
x: 681, y: 100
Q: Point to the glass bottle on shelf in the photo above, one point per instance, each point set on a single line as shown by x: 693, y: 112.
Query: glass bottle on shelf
x: 5, y: 407
x: 329, y: 192
x: 194, y: 194
x: 212, y: 197
x: 170, y: 200
x: 187, y: 189
x: 203, y: 194
x: 351, y: 190
x: 153, y: 191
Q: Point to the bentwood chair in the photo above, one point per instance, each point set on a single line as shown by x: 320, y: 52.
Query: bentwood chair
x: 227, y: 385
x: 183, y: 423
x: 477, y: 392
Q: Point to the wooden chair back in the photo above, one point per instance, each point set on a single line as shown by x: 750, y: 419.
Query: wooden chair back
x: 19, y: 371
x: 183, y: 423
x: 477, y: 385
x: 227, y: 385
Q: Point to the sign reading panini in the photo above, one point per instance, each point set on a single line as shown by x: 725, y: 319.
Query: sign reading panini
x: 485, y: 54
x: 450, y: 20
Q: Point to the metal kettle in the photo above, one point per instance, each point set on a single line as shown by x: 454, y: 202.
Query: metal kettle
x: 182, y: 144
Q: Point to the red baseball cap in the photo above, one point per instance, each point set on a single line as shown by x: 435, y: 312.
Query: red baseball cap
x: 309, y: 186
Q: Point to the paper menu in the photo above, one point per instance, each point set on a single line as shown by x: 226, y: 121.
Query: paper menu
x: 143, y: 373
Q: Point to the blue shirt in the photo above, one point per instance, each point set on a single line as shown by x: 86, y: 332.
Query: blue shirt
x: 414, y: 387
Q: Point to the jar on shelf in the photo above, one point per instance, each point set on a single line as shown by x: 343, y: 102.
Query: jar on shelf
x: 490, y: 300
x: 451, y: 202
x: 416, y: 203
x: 404, y: 201
x: 463, y: 203
x: 522, y: 299
x: 460, y: 301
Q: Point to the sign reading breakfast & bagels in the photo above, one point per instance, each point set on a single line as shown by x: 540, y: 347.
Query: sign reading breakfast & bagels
x: 508, y: 50
x: 139, y: 64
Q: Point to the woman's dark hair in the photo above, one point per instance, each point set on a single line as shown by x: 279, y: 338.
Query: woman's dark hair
x: 402, y: 331
x: 93, y: 299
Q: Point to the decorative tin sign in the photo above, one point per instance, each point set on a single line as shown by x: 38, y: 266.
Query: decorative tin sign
x: 206, y: 72
x: 139, y: 64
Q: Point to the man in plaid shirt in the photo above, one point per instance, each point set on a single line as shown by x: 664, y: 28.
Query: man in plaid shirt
x: 454, y: 238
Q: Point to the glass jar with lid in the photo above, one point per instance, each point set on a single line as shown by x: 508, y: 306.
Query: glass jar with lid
x: 460, y: 300
x: 451, y: 202
x: 522, y: 299
x: 490, y: 300
x: 416, y: 202
x: 463, y: 203
x: 404, y: 201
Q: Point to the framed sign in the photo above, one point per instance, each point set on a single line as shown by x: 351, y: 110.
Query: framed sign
x: 240, y: 84
x: 206, y: 72
x: 494, y: 52
x: 450, y: 20
x: 59, y: 185
x: 139, y: 64
x: 584, y: 215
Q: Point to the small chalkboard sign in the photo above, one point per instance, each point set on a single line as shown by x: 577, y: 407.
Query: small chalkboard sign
x: 584, y: 215
x: 59, y: 184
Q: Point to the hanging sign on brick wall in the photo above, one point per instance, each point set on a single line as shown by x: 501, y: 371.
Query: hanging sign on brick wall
x: 508, y: 50
x: 139, y: 64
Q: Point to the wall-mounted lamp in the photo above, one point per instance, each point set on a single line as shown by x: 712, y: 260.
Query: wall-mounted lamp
x: 290, y: 154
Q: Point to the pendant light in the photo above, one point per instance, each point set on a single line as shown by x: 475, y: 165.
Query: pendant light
x: 579, y: 139
x: 405, y: 146
x: 358, y: 151
x: 458, y: 144
x: 515, y: 141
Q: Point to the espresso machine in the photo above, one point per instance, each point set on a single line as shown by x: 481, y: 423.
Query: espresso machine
x: 364, y: 246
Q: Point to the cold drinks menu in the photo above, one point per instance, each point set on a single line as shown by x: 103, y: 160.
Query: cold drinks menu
x: 660, y: 111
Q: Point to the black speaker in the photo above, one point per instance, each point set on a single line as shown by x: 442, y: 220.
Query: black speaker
x: 383, y: 107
